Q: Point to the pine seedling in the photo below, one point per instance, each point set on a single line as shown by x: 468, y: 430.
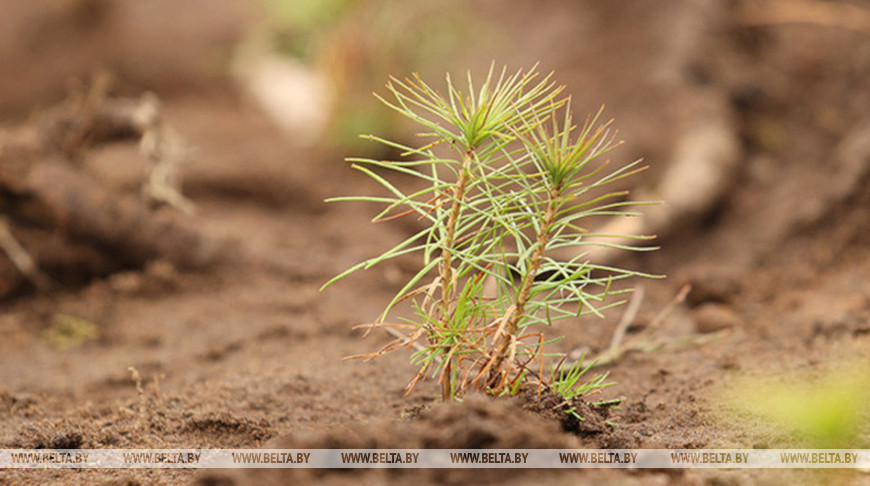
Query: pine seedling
x: 566, y: 382
x: 508, y: 180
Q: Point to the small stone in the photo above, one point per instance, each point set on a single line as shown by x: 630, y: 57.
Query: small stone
x: 714, y: 317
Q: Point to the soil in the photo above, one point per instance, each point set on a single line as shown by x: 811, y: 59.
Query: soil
x: 249, y: 353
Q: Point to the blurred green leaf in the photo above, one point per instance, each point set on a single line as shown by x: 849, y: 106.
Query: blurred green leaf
x: 68, y: 331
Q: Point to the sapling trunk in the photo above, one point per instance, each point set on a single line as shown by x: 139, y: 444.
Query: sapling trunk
x: 446, y: 268
x: 500, y: 370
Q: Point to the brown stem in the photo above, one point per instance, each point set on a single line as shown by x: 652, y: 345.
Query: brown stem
x: 446, y: 270
x: 499, y: 369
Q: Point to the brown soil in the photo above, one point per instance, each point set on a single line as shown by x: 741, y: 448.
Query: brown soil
x: 250, y: 354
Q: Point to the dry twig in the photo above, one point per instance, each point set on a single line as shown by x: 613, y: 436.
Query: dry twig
x: 21, y: 258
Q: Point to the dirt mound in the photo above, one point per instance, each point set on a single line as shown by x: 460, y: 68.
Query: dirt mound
x: 476, y: 423
x: 530, y: 421
x: 580, y: 417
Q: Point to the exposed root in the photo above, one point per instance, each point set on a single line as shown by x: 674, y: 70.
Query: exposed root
x: 44, y: 188
x: 166, y: 147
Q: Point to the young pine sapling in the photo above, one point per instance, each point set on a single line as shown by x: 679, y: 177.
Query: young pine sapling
x: 508, y: 179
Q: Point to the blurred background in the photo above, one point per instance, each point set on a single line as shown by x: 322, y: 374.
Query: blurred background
x: 753, y: 115
x: 709, y: 93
